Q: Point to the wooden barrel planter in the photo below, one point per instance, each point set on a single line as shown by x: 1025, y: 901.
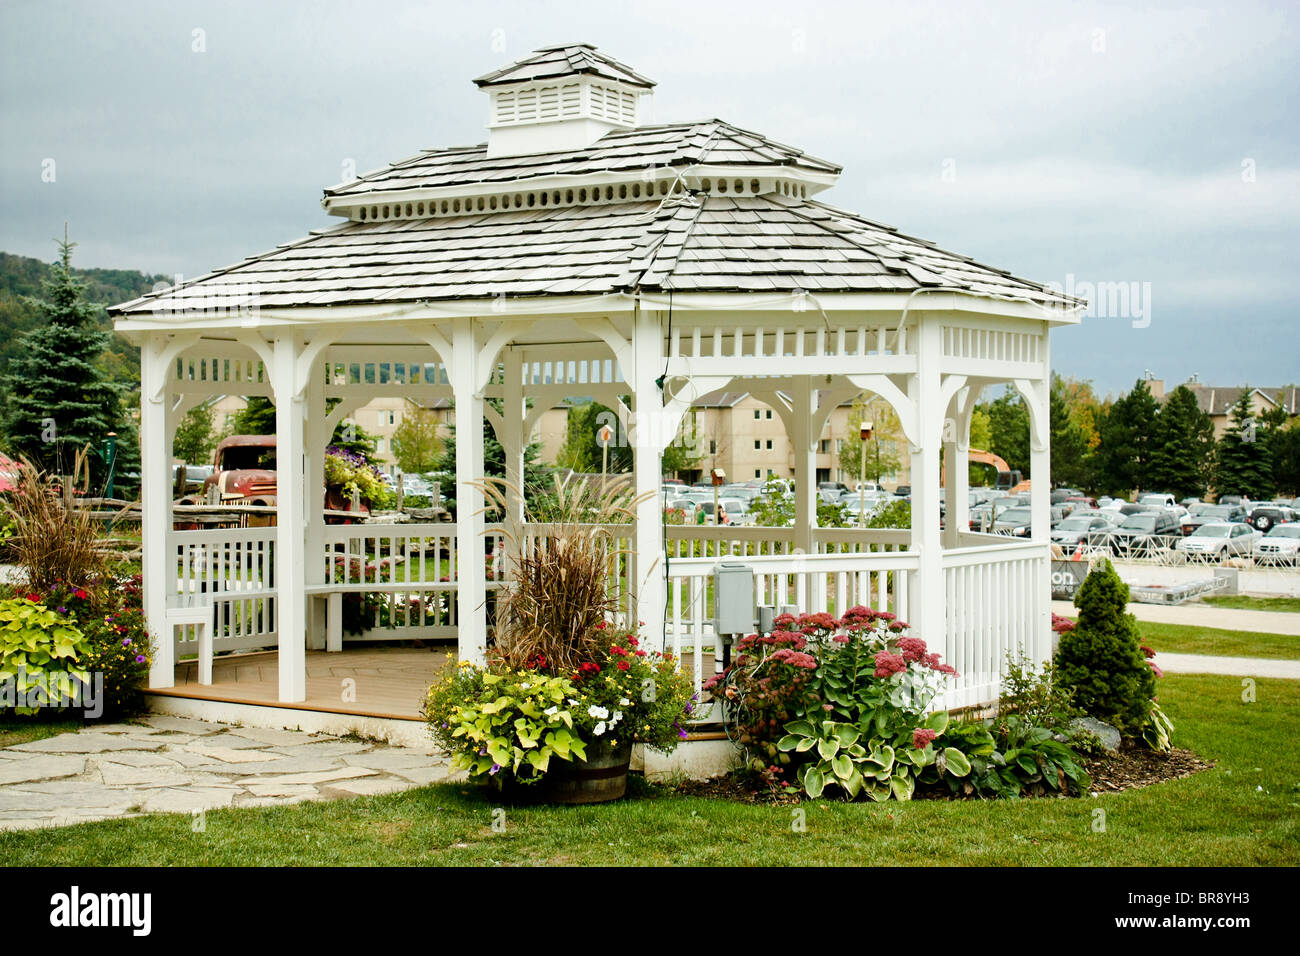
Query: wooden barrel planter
x: 601, y: 777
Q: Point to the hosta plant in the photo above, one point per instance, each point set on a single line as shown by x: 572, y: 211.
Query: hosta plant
x: 40, y: 647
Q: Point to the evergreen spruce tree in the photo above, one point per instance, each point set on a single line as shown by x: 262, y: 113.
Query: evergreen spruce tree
x: 1126, y: 442
x: 1183, y: 445
x: 1069, y: 445
x: 59, y: 400
x: 1101, y: 657
x: 1244, y: 464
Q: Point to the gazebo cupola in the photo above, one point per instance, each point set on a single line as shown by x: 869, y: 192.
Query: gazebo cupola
x: 561, y: 98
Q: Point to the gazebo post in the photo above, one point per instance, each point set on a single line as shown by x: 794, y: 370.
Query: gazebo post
x: 317, y: 438
x: 805, y: 463
x: 290, y: 570
x: 927, y: 613
x: 956, y: 444
x: 471, y: 575
x: 648, y: 441
x: 156, y: 508
x: 513, y: 441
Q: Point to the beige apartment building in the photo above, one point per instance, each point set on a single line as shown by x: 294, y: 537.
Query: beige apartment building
x: 734, y: 431
x: 1217, y: 400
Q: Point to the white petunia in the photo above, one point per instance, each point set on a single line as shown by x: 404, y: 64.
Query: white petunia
x: 551, y: 711
x: 598, y: 712
x: 624, y: 702
x: 600, y: 729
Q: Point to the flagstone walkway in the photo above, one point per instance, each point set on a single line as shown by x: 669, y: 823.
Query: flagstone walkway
x: 170, y: 764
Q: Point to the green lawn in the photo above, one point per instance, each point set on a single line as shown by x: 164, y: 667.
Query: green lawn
x: 21, y: 730
x: 1243, y: 602
x: 1188, y: 639
x: 1241, y: 813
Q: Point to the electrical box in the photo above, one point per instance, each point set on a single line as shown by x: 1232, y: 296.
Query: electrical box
x: 733, y: 598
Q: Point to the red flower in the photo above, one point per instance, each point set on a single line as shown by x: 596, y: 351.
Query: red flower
x: 615, y: 649
x: 913, y: 649
x: 623, y: 665
x: 34, y: 598
x: 640, y: 653
x: 887, y: 664
x: 921, y: 737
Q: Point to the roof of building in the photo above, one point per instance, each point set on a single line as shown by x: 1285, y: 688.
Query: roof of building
x: 743, y: 231
x: 1218, y: 400
x: 565, y: 59
x: 701, y: 244
x: 676, y: 145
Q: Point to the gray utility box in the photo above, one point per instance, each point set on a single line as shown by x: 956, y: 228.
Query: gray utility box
x: 733, y: 598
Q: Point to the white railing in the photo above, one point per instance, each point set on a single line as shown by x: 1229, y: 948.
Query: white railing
x: 233, y: 570
x: 403, y: 577
x: 811, y: 583
x: 996, y: 597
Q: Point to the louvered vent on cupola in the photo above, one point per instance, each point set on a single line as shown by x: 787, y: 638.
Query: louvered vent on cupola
x: 560, y: 98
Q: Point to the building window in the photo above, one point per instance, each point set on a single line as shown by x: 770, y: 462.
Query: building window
x: 769, y: 444
x: 824, y: 445
x: 756, y: 413
x: 839, y: 445
x: 769, y: 414
x: 713, y: 446
x: 379, y: 445
x: 757, y: 444
x: 757, y: 474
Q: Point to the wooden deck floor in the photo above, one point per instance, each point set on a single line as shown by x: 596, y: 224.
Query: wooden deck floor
x: 386, y: 681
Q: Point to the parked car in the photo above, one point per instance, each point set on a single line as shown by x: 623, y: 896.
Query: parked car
x: 1157, y: 501
x: 1219, y: 539
x: 903, y: 491
x: 1140, y: 533
x: 1203, y: 514
x: 1280, y: 546
x: 195, y: 476
x: 1061, y: 495
x: 1265, y: 517
x: 1013, y: 521
x: 1077, y: 527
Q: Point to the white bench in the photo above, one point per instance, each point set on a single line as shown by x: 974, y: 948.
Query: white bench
x: 332, y: 596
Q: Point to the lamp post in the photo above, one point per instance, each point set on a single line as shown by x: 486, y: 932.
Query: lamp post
x: 718, y: 476
x: 110, y: 459
x: 603, y: 434
x: 864, y: 432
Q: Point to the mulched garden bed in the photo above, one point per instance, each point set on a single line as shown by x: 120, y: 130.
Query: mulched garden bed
x: 1128, y: 768
x: 1132, y: 766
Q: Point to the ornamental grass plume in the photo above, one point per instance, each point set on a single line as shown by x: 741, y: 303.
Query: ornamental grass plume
x: 565, y: 561
x: 50, y: 543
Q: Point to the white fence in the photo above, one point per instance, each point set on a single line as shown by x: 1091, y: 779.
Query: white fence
x: 813, y: 583
x: 996, y: 601
x: 233, y: 571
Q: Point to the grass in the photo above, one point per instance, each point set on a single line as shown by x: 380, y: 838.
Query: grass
x: 21, y: 730
x: 1241, y: 813
x: 1245, y: 603
x: 1190, y: 639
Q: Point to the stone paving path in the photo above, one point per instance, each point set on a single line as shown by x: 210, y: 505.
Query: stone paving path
x: 1235, y: 666
x: 1206, y: 615
x: 168, y: 764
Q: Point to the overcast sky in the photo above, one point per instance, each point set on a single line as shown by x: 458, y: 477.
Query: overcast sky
x: 1068, y: 143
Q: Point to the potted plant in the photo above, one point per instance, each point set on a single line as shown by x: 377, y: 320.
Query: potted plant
x: 566, y: 692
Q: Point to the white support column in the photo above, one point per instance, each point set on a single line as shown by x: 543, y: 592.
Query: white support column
x: 804, y: 442
x: 290, y: 561
x: 317, y: 436
x: 158, y: 564
x: 1040, y: 501
x: 514, y: 441
x: 648, y: 440
x: 956, y: 448
x: 471, y: 578
x: 927, y: 594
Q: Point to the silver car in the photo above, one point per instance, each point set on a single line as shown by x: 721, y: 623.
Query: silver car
x: 1280, y: 546
x: 1219, y: 539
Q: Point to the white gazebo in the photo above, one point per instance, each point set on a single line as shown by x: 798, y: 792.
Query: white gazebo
x: 580, y: 252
